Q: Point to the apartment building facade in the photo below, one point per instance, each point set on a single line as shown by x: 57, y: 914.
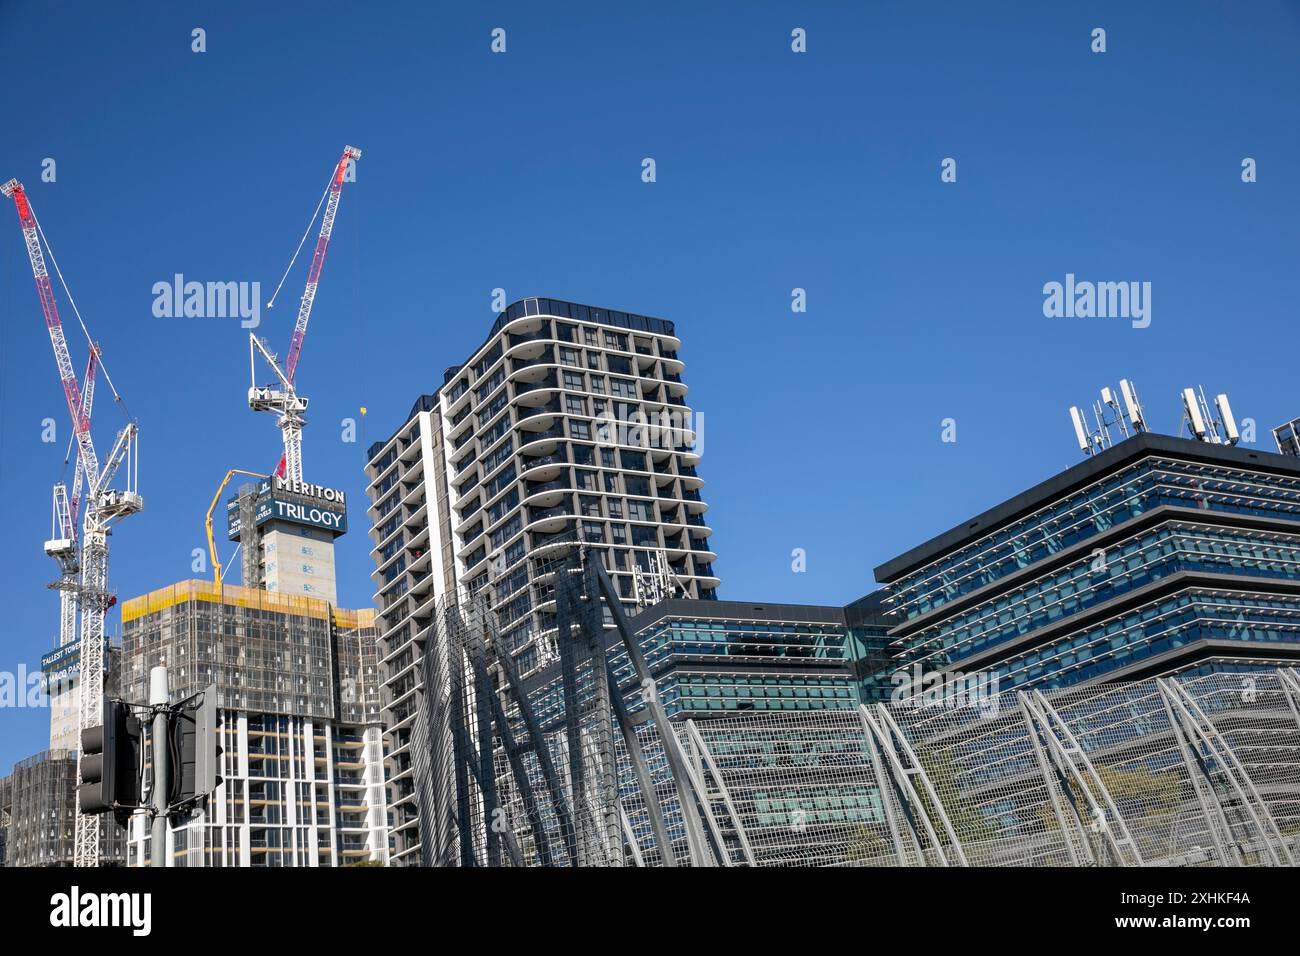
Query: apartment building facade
x: 568, y: 427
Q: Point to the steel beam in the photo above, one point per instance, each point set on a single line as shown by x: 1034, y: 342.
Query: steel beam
x: 894, y: 745
x: 711, y: 765
x: 1074, y: 765
x: 1208, y: 736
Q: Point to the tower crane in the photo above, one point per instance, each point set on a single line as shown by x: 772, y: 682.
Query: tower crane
x: 280, y: 396
x: 105, y: 507
x: 63, y: 543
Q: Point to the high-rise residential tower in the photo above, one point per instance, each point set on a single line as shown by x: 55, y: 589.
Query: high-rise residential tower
x: 568, y: 426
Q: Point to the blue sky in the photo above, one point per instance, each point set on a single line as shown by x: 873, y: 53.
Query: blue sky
x: 775, y: 170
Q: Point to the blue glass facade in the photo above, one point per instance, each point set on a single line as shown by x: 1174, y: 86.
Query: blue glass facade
x: 719, y: 658
x: 1158, y: 555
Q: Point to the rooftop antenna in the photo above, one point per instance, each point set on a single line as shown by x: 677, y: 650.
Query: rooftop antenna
x: 1217, y: 426
x: 1132, y: 407
x: 1115, y: 418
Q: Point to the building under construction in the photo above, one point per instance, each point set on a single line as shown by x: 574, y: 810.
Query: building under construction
x: 297, y: 685
x: 39, y: 817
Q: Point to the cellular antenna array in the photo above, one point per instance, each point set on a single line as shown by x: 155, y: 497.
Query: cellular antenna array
x: 1111, y: 415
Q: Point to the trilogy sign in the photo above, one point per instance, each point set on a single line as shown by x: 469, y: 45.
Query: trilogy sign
x: 277, y: 509
x: 329, y: 495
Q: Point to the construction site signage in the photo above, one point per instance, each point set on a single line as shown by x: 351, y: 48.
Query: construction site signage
x: 277, y: 509
x: 60, y: 666
x: 305, y: 489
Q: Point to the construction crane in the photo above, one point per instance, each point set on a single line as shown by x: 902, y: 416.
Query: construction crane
x: 105, y: 507
x: 63, y: 543
x: 280, y: 396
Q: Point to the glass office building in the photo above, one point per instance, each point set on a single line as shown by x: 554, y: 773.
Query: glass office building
x: 719, y: 658
x: 1159, y: 555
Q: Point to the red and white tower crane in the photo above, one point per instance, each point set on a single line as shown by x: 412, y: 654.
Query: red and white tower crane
x: 64, y: 542
x: 105, y: 506
x: 281, y: 397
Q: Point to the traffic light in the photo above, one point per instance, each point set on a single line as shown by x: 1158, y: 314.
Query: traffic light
x: 110, y: 762
x: 197, y: 752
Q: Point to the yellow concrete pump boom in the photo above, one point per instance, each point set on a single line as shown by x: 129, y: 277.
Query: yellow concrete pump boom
x: 212, y: 544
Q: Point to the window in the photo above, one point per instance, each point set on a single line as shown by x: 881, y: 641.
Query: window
x: 590, y: 506
x: 573, y: 381
x: 569, y: 356
x: 593, y: 531
x: 598, y: 384
x: 611, y: 482
x: 615, y: 506
x: 607, y: 457
x: 593, y: 360
x: 586, y: 480
x: 575, y: 404
x: 623, y: 387
x: 591, y: 336
x: 582, y: 455
x: 580, y: 429
x: 619, y: 533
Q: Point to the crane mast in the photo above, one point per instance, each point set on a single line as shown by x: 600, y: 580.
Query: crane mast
x: 104, y: 507
x: 64, y: 540
x: 282, y: 398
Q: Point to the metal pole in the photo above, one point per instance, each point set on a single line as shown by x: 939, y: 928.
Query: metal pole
x: 158, y: 794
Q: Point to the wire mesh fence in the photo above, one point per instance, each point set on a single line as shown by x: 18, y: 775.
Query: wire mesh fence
x: 569, y: 765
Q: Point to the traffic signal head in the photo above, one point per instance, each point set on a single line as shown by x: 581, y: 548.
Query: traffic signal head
x: 110, y: 762
x: 196, y: 736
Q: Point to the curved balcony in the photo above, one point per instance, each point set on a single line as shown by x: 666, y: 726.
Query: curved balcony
x: 530, y: 351
x: 535, y: 329
x: 533, y: 418
x: 544, y: 467
x: 543, y: 494
x: 549, y: 520
x: 549, y: 435
x: 533, y: 389
x: 550, y: 544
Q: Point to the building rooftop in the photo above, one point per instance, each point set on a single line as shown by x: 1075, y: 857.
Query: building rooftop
x: 679, y: 608
x: 534, y: 305
x: 1143, y: 445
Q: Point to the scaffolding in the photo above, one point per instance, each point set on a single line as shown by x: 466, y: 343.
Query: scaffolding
x: 266, y: 652
x: 39, y: 804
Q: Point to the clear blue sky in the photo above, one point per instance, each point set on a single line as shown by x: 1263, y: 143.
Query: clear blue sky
x: 775, y: 171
